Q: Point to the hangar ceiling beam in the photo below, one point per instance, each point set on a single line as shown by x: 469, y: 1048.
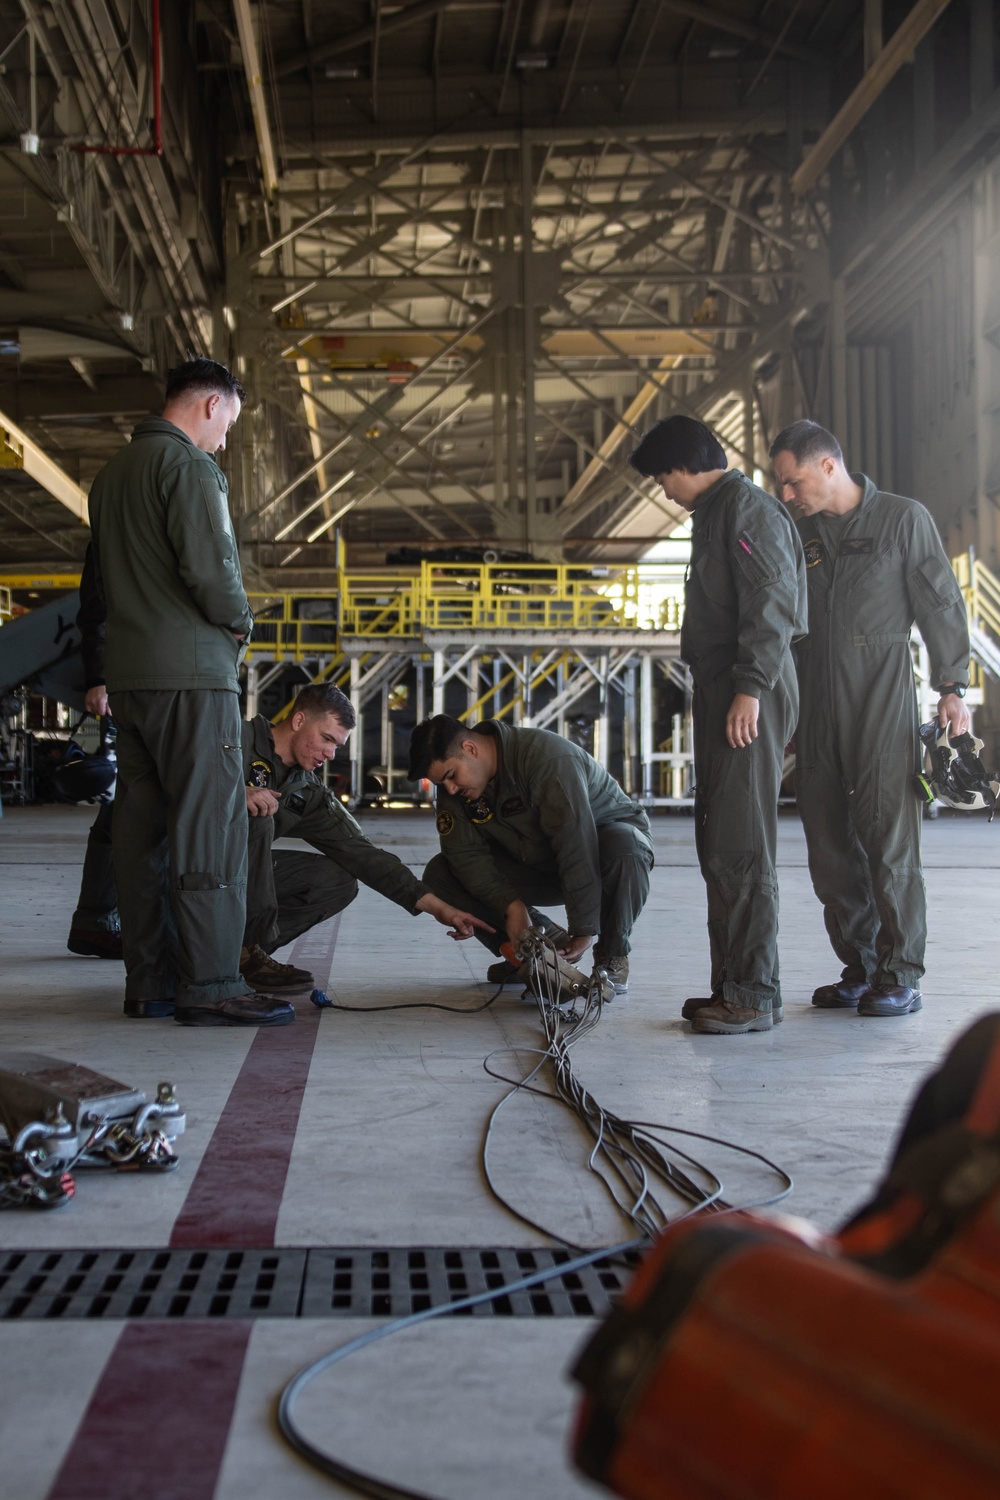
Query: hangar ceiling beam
x: 898, y: 50
x: 709, y: 15
x: 258, y: 100
x: 23, y: 453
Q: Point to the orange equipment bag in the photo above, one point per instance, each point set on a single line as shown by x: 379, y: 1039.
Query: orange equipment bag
x: 746, y: 1363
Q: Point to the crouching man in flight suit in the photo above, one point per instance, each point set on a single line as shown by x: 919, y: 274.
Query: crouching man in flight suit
x: 745, y: 603
x: 290, y: 891
x: 524, y: 816
x: 875, y: 564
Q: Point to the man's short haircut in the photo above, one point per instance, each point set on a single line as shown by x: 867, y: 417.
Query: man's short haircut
x: 806, y: 441
x: 202, y: 375
x: 434, y: 739
x: 679, y: 443
x: 322, y: 698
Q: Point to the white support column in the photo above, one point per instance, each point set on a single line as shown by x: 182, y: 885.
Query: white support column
x: 677, y: 746
x: 437, y: 699
x: 420, y: 698
x: 689, y: 788
x: 472, y: 693
x: 252, y: 674
x: 629, y: 732
x: 646, y: 724
x: 602, y: 729
x: 387, y: 737
x: 358, y: 737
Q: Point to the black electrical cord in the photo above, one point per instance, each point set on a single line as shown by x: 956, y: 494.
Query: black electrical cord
x: 357, y: 1479
x: 628, y: 1149
x: 453, y: 1010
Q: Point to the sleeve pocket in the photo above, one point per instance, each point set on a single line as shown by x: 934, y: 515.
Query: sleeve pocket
x: 933, y: 584
x: 215, y: 505
x: 754, y: 562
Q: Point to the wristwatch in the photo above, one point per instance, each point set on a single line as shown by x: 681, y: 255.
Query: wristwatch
x: 951, y: 687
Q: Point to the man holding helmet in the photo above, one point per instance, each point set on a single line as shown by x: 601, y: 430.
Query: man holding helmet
x: 874, y: 566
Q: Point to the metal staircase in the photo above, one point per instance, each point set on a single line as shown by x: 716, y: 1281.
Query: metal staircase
x: 981, y: 589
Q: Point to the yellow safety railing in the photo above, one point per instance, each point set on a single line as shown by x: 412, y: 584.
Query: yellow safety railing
x: 671, y: 613
x: 401, y: 603
x: 981, y: 589
x: 294, y: 625
x: 379, y: 603
x: 522, y: 596
x: 57, y: 581
x: 5, y: 609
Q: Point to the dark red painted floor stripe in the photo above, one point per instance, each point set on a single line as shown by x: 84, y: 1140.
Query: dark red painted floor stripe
x: 158, y: 1421
x: 236, y: 1194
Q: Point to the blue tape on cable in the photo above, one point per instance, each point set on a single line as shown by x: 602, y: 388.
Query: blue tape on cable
x: 320, y: 999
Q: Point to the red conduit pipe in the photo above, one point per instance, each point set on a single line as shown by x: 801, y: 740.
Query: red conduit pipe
x: 156, y: 149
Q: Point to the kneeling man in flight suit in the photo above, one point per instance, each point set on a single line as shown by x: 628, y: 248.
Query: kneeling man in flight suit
x: 289, y: 891
x: 526, y: 816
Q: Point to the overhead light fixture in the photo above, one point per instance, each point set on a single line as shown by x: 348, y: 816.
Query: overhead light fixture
x: 335, y: 70
x: 721, y: 52
x: 29, y: 143
x: 532, y: 62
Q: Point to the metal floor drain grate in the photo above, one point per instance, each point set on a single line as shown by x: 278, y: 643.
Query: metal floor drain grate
x: 348, y: 1283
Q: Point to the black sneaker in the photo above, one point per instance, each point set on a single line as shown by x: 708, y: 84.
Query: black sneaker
x: 149, y: 1010
x: 236, y: 1010
x: 266, y: 976
x: 94, y: 944
x: 844, y: 995
x: 505, y: 973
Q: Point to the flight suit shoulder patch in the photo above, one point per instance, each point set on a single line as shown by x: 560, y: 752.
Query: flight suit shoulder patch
x: 445, y: 823
x: 479, y: 812
x: 261, y: 773
x: 813, y: 549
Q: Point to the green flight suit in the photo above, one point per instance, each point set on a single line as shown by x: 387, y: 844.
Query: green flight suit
x: 167, y: 567
x: 857, y: 745
x: 552, y: 827
x: 745, y: 603
x: 288, y: 890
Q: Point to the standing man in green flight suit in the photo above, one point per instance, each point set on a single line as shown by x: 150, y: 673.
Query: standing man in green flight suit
x: 745, y: 603
x: 178, y: 619
x: 875, y: 565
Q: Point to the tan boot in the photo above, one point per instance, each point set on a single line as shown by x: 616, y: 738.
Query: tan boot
x: 722, y: 1019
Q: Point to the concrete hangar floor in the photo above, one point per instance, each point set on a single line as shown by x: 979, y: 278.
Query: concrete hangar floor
x: 344, y: 1152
